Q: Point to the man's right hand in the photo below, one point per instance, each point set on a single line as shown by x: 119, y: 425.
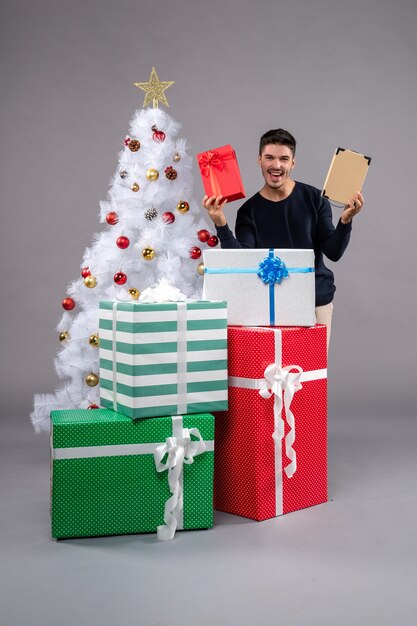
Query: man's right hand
x: 214, y: 207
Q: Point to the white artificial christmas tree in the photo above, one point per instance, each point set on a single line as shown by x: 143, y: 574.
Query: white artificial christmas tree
x: 154, y: 230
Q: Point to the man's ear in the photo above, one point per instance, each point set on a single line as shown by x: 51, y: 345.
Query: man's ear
x: 259, y: 159
x: 293, y: 164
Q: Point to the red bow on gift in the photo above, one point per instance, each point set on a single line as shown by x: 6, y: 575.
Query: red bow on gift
x: 210, y: 159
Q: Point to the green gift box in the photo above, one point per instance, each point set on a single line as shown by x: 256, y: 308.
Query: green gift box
x: 163, y: 359
x: 108, y: 478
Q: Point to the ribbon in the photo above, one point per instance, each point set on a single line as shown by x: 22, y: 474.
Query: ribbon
x: 177, y: 450
x: 162, y: 292
x: 276, y: 380
x: 114, y: 359
x: 211, y: 158
x: 271, y: 270
x: 210, y: 161
x: 181, y: 357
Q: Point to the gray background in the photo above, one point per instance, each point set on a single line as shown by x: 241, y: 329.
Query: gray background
x: 334, y: 73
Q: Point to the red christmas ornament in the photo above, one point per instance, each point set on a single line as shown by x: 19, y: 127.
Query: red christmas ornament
x: 203, y: 235
x: 195, y: 252
x: 93, y: 406
x: 112, y: 218
x: 120, y: 278
x: 68, y: 304
x: 85, y: 272
x: 212, y: 241
x: 168, y: 217
x: 122, y: 242
x: 126, y: 141
x: 158, y: 135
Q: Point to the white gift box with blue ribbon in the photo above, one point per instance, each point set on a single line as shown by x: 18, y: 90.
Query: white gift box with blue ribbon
x: 262, y: 287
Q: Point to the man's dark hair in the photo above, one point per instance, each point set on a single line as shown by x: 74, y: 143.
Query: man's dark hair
x: 279, y: 136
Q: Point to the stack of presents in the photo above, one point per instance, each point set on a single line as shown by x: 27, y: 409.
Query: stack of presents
x: 212, y: 404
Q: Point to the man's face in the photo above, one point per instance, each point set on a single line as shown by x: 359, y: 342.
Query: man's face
x: 276, y: 163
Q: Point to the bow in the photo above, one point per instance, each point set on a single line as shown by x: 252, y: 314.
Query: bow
x: 177, y: 450
x: 210, y: 159
x: 272, y: 270
x: 276, y: 380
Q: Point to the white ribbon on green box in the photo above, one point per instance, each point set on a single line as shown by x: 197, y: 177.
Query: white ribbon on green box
x: 179, y: 448
x: 276, y: 380
x: 165, y: 358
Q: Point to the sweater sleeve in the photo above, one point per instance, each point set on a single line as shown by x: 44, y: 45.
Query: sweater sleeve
x: 245, y: 233
x: 227, y: 238
x: 333, y: 241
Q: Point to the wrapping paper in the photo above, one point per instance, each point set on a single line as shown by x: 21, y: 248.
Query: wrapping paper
x: 259, y: 472
x: 220, y: 173
x: 163, y: 359
x: 238, y: 276
x: 107, y: 474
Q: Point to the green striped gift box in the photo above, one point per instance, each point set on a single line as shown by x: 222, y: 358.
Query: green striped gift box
x: 163, y: 359
x: 105, y: 481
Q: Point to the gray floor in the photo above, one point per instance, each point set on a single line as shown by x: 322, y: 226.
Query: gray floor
x: 351, y: 561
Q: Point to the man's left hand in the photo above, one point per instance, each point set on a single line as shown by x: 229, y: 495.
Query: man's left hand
x: 352, y: 208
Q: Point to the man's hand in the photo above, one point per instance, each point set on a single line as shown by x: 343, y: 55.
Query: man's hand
x: 214, y: 207
x: 352, y: 208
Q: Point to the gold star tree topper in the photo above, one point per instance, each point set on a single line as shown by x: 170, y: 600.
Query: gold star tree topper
x: 154, y: 89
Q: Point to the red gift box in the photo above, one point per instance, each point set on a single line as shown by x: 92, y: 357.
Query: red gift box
x: 220, y: 173
x: 271, y: 445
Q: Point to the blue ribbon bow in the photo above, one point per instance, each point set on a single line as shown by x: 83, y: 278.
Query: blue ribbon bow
x: 272, y: 270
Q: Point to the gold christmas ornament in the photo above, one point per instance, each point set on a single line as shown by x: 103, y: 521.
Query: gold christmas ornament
x: 200, y: 269
x: 94, y: 340
x: 92, y: 380
x: 148, y: 253
x: 152, y: 174
x: 90, y: 282
x: 134, y: 145
x: 154, y: 90
x: 176, y: 157
x: 64, y: 336
x: 135, y: 187
x: 183, y: 207
x: 135, y: 293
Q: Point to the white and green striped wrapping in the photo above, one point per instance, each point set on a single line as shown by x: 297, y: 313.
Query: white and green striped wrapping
x: 163, y: 359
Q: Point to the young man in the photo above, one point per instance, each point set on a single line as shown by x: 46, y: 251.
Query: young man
x: 288, y: 214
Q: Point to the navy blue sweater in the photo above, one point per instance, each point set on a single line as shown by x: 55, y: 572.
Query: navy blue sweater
x: 303, y: 220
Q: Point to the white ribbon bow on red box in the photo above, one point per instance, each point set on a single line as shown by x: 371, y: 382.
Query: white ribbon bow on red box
x: 278, y: 379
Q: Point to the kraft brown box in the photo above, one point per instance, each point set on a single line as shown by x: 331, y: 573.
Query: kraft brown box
x: 346, y: 175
